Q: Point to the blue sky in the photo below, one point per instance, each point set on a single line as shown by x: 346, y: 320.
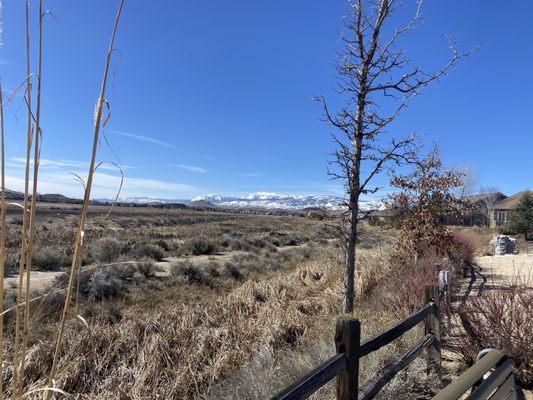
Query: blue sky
x: 216, y: 96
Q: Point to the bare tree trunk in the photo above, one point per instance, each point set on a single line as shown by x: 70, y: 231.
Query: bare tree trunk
x: 349, y: 297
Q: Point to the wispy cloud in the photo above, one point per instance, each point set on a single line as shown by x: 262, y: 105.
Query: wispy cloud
x: 104, y: 185
x: 191, y: 168
x: 250, y: 174
x: 18, y: 162
x: 56, y: 176
x: 4, y: 61
x: 143, y: 138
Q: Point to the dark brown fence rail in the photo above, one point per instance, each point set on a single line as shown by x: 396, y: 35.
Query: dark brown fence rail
x: 345, y: 365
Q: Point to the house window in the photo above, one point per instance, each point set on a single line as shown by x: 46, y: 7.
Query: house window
x: 501, y: 218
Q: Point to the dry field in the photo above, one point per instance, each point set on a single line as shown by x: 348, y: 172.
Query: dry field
x: 177, y: 303
x: 188, y: 304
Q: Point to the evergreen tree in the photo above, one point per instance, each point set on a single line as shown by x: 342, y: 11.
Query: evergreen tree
x: 522, y: 215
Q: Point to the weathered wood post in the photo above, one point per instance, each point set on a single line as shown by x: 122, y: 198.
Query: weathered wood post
x: 432, y: 325
x: 347, y: 341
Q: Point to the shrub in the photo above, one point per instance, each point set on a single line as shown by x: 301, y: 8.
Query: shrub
x: 201, y: 245
x: 463, y: 248
x: 282, y: 239
x: 148, y: 269
x: 147, y: 251
x: 500, y: 319
x: 233, y: 270
x: 105, y: 285
x: 190, y: 273
x: 404, y: 287
x: 47, y: 259
x: 374, y: 221
x: 53, y: 304
x: 239, y: 244
x: 106, y: 250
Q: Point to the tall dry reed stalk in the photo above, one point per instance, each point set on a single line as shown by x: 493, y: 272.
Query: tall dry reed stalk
x: 78, y: 244
x: 2, y: 239
x: 17, y: 365
x: 27, y: 255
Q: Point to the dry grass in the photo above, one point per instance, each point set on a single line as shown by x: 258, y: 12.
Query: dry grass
x: 268, y: 372
x: 213, y: 328
x: 177, y: 342
x: 478, y: 238
x: 183, y: 339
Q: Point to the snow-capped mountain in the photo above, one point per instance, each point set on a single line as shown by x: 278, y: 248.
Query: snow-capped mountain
x: 272, y: 201
x: 144, y: 200
x: 281, y: 201
x: 265, y: 200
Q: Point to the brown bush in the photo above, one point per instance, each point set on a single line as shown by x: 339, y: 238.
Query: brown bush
x: 47, y: 259
x: 501, y: 319
x: 106, y: 250
x: 201, y: 245
x: 148, y: 251
x: 190, y: 273
x: 403, y: 291
x: 464, y: 247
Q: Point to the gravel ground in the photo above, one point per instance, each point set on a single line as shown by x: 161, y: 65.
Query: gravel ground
x: 504, y: 269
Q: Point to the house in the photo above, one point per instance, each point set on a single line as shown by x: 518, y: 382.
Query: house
x: 501, y: 210
x: 480, y: 205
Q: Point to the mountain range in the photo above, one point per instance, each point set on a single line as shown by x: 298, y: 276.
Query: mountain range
x: 264, y: 200
x: 142, y: 200
x: 282, y: 201
x: 273, y: 201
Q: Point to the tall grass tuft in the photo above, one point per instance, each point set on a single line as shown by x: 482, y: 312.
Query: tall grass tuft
x: 78, y: 244
x: 36, y: 154
x: 19, y: 366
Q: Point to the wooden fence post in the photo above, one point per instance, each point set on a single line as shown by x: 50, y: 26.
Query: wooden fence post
x: 347, y: 341
x: 432, y: 325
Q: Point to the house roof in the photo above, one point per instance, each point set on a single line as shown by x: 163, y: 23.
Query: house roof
x: 478, y: 197
x: 510, y: 202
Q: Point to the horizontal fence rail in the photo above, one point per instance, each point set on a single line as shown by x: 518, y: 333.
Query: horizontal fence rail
x: 397, y: 330
x: 370, y: 390
x: 345, y: 365
x: 315, y: 379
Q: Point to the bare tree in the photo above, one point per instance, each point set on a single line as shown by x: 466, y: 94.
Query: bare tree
x: 489, y: 196
x: 375, y: 82
x: 469, y: 182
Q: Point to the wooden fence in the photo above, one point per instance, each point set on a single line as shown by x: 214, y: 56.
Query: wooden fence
x: 345, y: 364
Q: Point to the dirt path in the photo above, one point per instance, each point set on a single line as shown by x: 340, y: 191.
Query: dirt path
x: 39, y: 280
